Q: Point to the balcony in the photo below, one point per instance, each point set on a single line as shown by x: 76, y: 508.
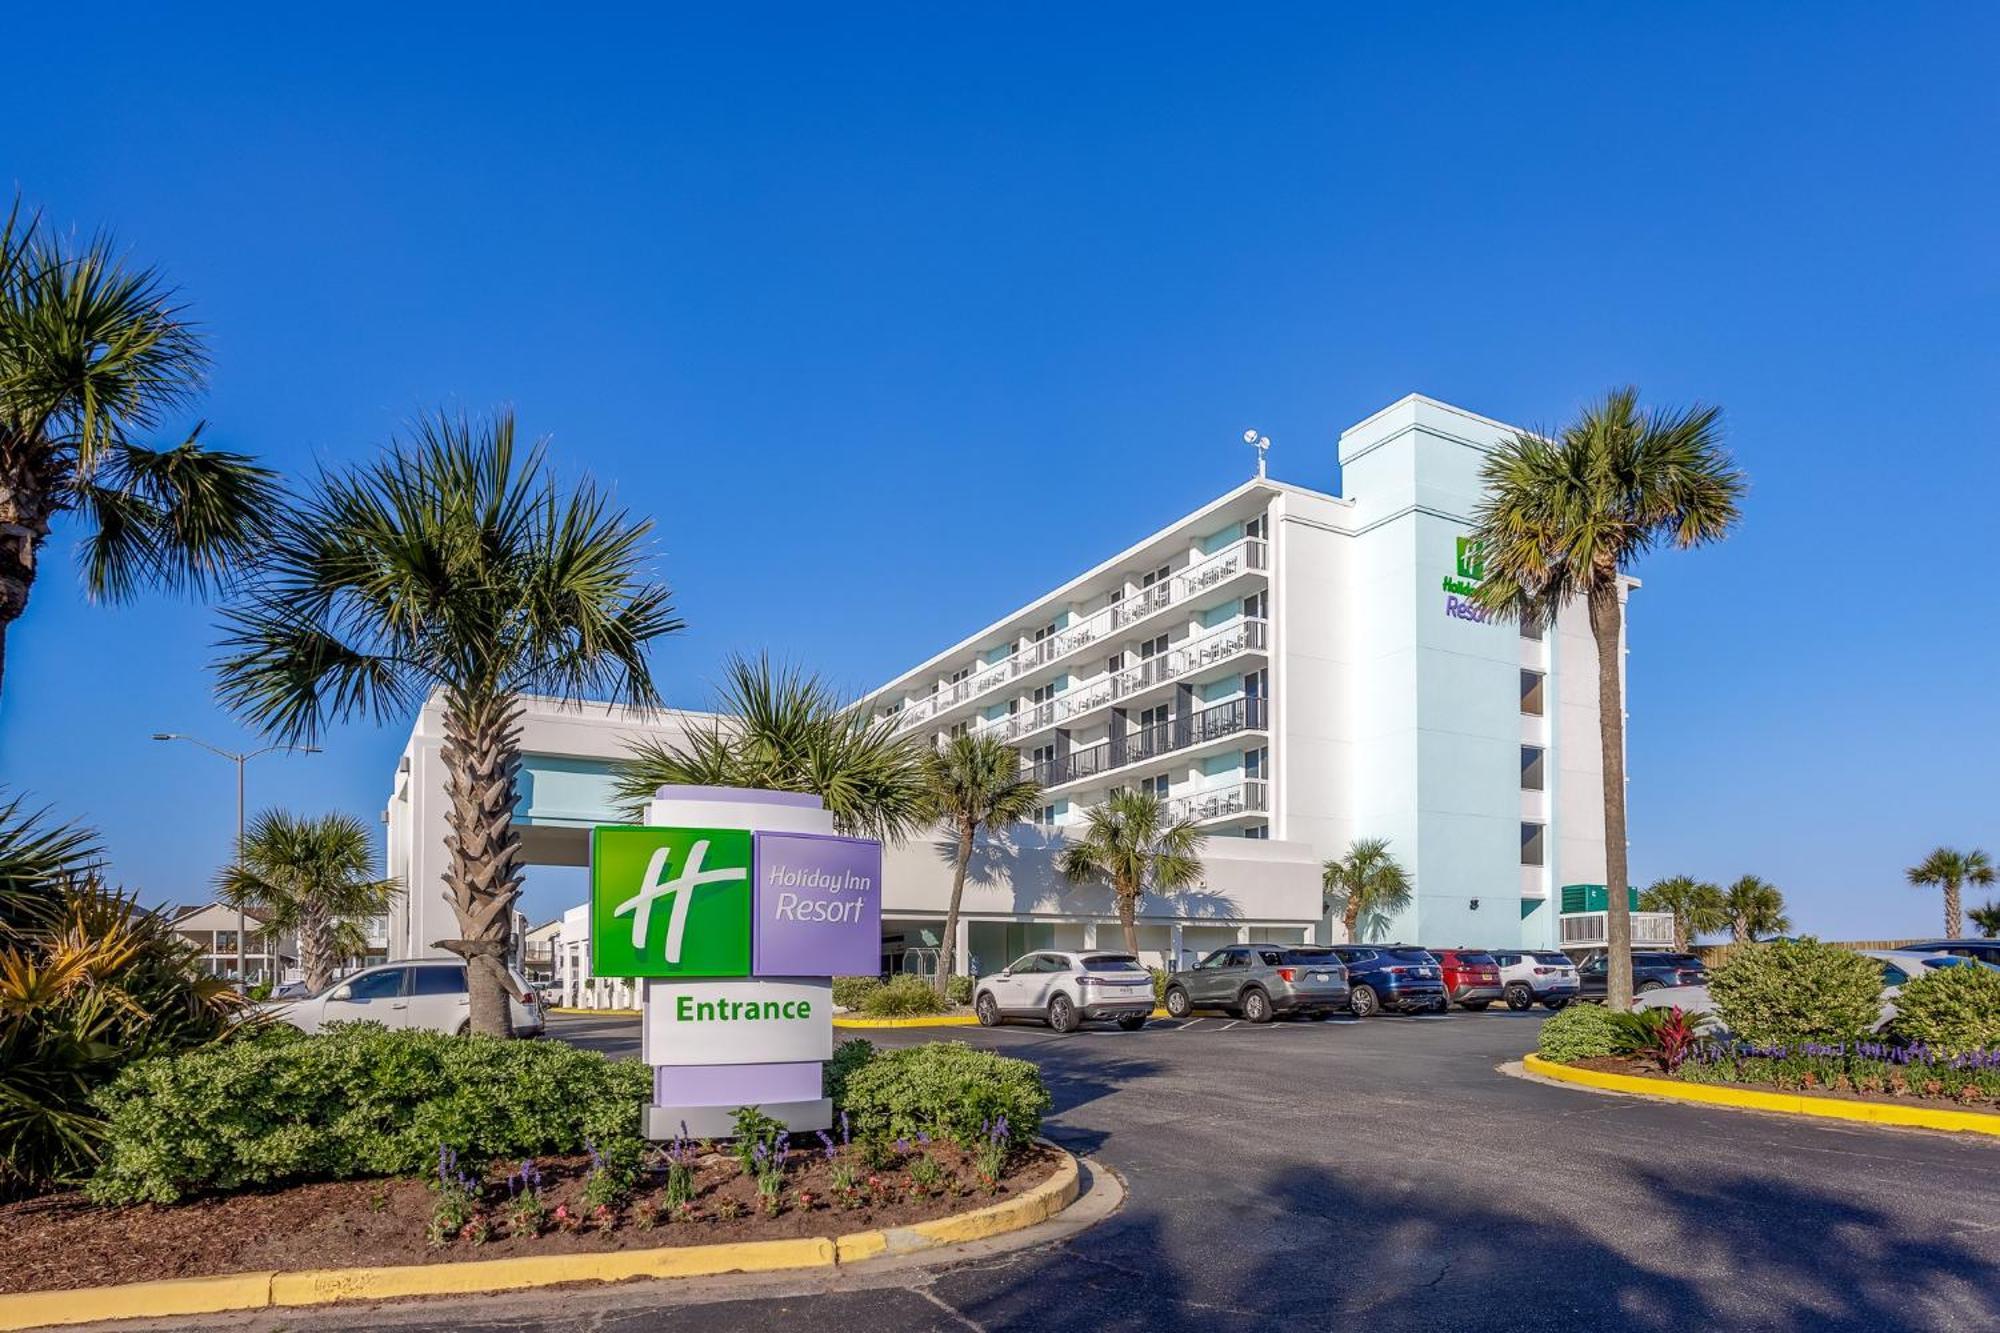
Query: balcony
x: 1586, y: 930
x: 1136, y: 747
x: 1194, y: 655
x: 1203, y: 576
x: 1250, y: 797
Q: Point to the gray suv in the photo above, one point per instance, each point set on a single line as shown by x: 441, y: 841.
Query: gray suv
x: 1261, y: 981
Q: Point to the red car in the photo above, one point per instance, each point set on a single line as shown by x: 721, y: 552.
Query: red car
x: 1471, y: 976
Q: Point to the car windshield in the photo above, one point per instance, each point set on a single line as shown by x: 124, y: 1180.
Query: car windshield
x: 1410, y: 955
x: 1110, y: 962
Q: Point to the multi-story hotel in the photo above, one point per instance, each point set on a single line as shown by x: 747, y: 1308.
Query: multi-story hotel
x: 1289, y: 668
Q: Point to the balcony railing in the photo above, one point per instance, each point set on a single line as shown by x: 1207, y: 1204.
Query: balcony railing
x: 1196, y: 654
x: 1145, y: 743
x: 1588, y: 930
x: 1248, y: 554
x: 1249, y: 797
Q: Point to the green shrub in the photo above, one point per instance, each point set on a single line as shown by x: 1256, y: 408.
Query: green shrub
x: 357, y: 1100
x: 959, y: 989
x: 903, y: 997
x: 1797, y: 991
x: 853, y: 992
x: 1955, y: 1010
x: 947, y: 1090
x: 847, y: 1057
x: 1578, y: 1032
x: 1159, y: 987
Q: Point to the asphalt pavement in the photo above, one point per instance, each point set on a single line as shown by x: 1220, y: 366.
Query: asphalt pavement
x: 1384, y: 1175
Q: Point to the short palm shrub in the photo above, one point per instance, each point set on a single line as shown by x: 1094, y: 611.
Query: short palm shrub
x: 853, y: 992
x: 947, y: 1090
x: 847, y: 1057
x: 1953, y: 1010
x: 1790, y: 991
x: 357, y: 1100
x: 1580, y: 1032
x: 1160, y: 976
x: 905, y: 996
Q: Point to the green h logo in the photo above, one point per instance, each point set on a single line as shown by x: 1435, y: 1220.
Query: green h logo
x: 1471, y: 559
x: 670, y: 902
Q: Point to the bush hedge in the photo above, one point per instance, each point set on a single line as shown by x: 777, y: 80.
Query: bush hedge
x: 357, y: 1100
x: 1579, y: 1032
x: 853, y: 992
x: 1788, y: 991
x: 947, y: 1090
x: 847, y: 1057
x: 902, y: 997
x: 959, y: 989
x: 1954, y: 1010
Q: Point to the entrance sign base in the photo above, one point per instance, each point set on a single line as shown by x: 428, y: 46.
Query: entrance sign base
x: 719, y: 1122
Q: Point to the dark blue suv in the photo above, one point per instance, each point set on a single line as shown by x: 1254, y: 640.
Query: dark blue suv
x: 1392, y: 976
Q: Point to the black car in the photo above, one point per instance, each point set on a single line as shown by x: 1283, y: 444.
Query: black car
x: 1651, y: 969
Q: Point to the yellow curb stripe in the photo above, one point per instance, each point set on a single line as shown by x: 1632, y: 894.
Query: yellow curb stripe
x: 1788, y: 1103
x: 927, y: 1021
x: 593, y: 1013
x: 260, y: 1291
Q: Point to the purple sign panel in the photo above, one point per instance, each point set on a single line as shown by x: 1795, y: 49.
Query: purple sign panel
x: 818, y: 906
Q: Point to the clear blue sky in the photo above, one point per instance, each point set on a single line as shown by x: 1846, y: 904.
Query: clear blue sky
x: 898, y: 317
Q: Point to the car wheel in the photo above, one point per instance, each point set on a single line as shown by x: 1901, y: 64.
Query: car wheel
x: 1554, y: 1004
x: 1645, y: 986
x: 1363, y: 1002
x: 1062, y: 1014
x: 1132, y: 1022
x: 988, y: 1011
x: 1520, y: 997
x: 1477, y: 1006
x: 1440, y: 1005
x: 1177, y: 1002
x: 1257, y: 1007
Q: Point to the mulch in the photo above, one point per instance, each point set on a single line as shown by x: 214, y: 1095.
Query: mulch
x: 1621, y: 1064
x: 59, y: 1242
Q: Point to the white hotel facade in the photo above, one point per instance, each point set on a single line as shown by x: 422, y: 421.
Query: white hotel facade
x: 1289, y: 668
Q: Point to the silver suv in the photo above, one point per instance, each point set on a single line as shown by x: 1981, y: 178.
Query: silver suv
x: 1261, y: 981
x: 1064, y: 989
x: 1529, y: 975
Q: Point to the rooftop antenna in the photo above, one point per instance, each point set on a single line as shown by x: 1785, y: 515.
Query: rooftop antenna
x: 1262, y: 444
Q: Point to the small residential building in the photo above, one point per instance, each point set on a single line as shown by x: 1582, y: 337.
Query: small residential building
x: 268, y: 956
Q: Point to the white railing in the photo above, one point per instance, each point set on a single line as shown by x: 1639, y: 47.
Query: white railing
x: 1587, y: 930
x: 1250, y: 553
x: 1251, y: 796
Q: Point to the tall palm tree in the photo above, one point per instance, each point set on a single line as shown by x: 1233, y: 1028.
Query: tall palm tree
x: 94, y: 353
x: 1564, y: 517
x: 1368, y: 881
x: 311, y: 877
x: 454, y: 565
x: 782, y: 729
x: 1987, y: 919
x: 972, y: 781
x: 1952, y: 870
x: 1697, y: 907
x: 1129, y: 843
x: 1755, y: 907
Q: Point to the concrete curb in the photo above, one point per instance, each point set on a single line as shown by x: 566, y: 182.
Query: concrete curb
x: 592, y: 1013
x: 267, y: 1290
x: 1783, y: 1103
x: 930, y: 1021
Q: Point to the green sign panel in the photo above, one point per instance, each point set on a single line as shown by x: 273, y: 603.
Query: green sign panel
x: 670, y: 902
x: 1471, y: 560
x: 1593, y: 898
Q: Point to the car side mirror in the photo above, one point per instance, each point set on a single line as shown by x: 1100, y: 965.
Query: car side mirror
x: 342, y: 993
x: 1006, y: 972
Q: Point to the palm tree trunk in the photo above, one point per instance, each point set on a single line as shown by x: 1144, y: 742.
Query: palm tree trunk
x: 948, y: 946
x: 1607, y: 628
x: 482, y: 876
x: 24, y: 523
x: 1350, y: 915
x: 316, y: 949
x: 1128, y: 902
x: 1954, y: 915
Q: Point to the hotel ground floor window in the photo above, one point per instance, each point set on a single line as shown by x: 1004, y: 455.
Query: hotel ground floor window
x: 1531, y: 843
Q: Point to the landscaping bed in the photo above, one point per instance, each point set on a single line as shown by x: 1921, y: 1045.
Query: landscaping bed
x: 1807, y: 1083
x: 60, y: 1242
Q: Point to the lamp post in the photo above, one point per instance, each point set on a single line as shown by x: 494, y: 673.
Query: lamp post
x: 240, y: 759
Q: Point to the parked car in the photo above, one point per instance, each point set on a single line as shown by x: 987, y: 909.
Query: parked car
x: 291, y: 990
x: 1065, y: 990
x: 1651, y: 970
x: 1539, y: 977
x: 1261, y: 981
x: 1986, y: 951
x: 427, y: 996
x: 1471, y: 976
x: 1391, y: 976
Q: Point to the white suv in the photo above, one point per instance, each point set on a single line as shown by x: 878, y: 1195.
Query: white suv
x: 1530, y: 975
x: 427, y: 996
x: 1064, y: 989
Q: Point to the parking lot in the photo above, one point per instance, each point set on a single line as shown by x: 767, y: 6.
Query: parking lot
x: 1382, y: 1174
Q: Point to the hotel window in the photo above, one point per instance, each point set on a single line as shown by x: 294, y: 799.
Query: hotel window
x: 958, y: 728
x: 1156, y: 716
x: 1041, y: 694
x: 1045, y: 815
x: 1531, y: 693
x: 1258, y: 527
x: 1158, y: 786
x: 1044, y: 632
x: 1257, y: 831
x: 1531, y: 767
x: 1153, y: 647
x: 1254, y: 762
x: 1159, y: 575
x: 1253, y: 685
x: 1042, y: 756
x: 1115, y: 662
x: 1256, y: 605
x: 1531, y: 844
x: 958, y: 675
x: 1532, y: 630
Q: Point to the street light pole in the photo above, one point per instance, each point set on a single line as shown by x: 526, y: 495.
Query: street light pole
x: 241, y: 759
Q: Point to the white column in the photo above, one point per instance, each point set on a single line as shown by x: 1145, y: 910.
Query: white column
x: 961, y: 946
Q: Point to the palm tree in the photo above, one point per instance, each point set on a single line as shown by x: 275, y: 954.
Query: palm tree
x: 1987, y: 918
x: 452, y: 566
x: 310, y: 877
x: 1697, y: 907
x: 92, y: 354
x: 1564, y: 517
x: 1367, y: 881
x: 1952, y: 870
x: 1129, y: 843
x: 780, y: 729
x: 1755, y: 907
x: 970, y: 781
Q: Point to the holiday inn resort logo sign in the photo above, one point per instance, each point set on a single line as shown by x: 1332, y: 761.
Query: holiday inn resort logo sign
x: 1470, y: 564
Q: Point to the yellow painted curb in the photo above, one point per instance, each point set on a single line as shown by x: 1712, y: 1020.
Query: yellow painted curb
x: 1786, y: 1103
x: 593, y: 1013
x: 260, y: 1291
x: 927, y: 1021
